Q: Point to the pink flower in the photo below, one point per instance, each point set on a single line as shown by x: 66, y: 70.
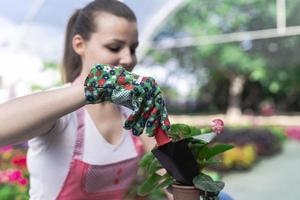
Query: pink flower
x: 217, y: 126
x: 14, y: 175
x: 23, y: 181
x: 293, y: 132
x: 5, y: 149
x: 2, y: 177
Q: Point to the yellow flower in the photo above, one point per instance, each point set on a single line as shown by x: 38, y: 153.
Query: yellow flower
x: 6, y: 155
x: 240, y: 157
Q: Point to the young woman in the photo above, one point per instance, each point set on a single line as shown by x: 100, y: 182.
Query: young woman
x: 78, y: 148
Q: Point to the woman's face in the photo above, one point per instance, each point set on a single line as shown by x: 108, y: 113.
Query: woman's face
x: 114, y: 43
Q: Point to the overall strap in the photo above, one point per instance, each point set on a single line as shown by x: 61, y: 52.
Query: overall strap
x: 139, y: 146
x: 136, y: 140
x: 78, y: 150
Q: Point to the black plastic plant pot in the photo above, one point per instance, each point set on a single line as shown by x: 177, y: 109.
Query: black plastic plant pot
x: 178, y: 160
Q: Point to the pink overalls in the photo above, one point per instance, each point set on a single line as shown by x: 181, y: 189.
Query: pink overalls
x: 102, y: 182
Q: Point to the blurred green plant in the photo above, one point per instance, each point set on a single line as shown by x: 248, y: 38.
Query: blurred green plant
x: 48, y: 67
x: 271, y: 63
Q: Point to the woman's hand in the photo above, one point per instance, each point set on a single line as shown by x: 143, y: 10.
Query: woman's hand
x: 169, y: 195
x: 152, y: 115
x: 141, y: 94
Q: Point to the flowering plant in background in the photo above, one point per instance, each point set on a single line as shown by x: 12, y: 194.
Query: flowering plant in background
x: 13, y: 173
x: 251, y: 145
x: 241, y: 157
x: 204, y: 153
x: 293, y: 132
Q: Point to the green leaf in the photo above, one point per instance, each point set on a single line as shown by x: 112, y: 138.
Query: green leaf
x: 207, y: 137
x: 179, y: 131
x: 167, y: 182
x: 149, y: 185
x: 154, y: 166
x: 196, y: 147
x: 202, y: 177
x: 195, y: 131
x: 204, y: 152
x: 146, y: 160
x: 210, y: 161
x: 218, y: 148
x: 207, y: 184
x: 150, y: 163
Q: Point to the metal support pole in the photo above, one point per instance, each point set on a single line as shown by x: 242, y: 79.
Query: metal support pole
x: 281, y: 16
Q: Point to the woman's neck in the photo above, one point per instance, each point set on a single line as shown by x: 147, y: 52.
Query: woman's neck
x: 108, y: 120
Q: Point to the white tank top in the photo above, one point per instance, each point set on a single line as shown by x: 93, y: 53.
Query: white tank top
x: 49, y: 156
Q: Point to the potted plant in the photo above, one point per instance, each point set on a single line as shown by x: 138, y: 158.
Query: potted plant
x: 198, y: 139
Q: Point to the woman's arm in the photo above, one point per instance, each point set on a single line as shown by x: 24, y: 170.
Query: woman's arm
x: 32, y: 115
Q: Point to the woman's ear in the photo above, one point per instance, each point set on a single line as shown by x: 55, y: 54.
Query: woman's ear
x: 78, y: 44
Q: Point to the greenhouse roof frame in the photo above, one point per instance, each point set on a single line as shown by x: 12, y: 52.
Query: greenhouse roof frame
x: 281, y: 30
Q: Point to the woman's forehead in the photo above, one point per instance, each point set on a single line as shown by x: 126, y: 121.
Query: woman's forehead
x: 111, y: 27
x: 107, y: 21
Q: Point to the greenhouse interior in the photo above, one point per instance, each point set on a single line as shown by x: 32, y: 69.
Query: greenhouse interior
x: 224, y: 80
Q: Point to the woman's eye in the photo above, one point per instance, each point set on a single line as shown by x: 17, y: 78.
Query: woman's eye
x: 114, y: 49
x: 133, y: 50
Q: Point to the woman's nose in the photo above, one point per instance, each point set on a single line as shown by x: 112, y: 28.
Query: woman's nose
x: 127, y: 59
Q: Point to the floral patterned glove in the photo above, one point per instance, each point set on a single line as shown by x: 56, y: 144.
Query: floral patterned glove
x: 153, y: 115
x: 102, y: 85
x: 141, y: 94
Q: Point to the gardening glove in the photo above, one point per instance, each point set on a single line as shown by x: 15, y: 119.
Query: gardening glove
x: 107, y: 83
x: 154, y: 115
x: 115, y: 84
